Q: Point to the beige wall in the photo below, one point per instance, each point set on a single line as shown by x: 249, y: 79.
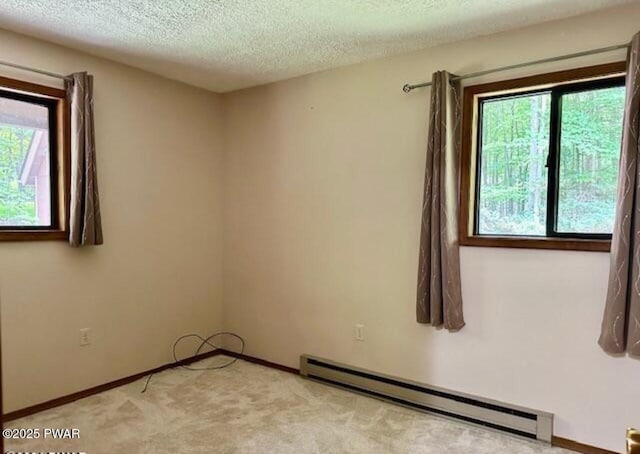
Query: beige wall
x: 157, y: 276
x: 322, y: 190
x: 323, y: 187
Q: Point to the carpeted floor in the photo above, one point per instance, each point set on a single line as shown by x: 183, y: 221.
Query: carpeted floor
x: 252, y: 409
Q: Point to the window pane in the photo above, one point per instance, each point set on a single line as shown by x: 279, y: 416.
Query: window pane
x: 591, y: 133
x: 513, y: 177
x: 25, y: 188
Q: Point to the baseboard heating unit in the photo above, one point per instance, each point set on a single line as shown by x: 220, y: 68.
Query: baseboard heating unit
x: 515, y: 420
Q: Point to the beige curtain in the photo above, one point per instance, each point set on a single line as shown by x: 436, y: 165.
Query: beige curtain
x: 621, y: 322
x: 439, y: 299
x: 85, y: 225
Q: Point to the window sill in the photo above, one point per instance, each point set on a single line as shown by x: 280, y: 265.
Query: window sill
x: 562, y: 244
x: 33, y: 235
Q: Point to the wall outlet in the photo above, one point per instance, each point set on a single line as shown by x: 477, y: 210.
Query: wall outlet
x: 360, y: 333
x: 85, y: 336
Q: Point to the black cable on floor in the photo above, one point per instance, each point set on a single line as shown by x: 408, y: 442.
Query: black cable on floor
x: 146, y: 384
x: 204, y: 341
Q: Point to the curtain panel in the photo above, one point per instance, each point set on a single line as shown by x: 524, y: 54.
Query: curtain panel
x: 621, y: 322
x: 439, y: 300
x: 85, y: 224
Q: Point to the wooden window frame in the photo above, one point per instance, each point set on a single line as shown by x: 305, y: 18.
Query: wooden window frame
x: 472, y: 95
x: 57, y: 98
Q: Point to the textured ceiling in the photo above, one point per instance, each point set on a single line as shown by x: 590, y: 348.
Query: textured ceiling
x: 224, y: 45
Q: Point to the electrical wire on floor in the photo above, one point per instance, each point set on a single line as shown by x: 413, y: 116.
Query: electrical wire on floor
x: 204, y: 342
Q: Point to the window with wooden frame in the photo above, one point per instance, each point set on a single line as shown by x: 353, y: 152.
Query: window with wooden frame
x: 540, y: 160
x: 34, y: 161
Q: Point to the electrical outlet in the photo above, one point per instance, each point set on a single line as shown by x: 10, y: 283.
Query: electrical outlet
x: 85, y: 336
x: 360, y: 333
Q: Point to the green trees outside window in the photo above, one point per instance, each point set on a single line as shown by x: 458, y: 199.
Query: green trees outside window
x: 17, y: 201
x: 515, y: 146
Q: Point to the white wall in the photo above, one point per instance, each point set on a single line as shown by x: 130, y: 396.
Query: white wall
x: 157, y: 276
x: 323, y: 189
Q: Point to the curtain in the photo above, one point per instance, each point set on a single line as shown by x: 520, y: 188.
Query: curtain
x: 621, y: 322
x: 85, y: 225
x: 439, y: 300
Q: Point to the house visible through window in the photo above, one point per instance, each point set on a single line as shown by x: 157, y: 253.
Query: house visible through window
x: 543, y: 159
x: 31, y: 167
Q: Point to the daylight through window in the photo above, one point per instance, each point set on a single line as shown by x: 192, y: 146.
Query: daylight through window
x: 25, y: 164
x: 33, y: 161
x: 547, y: 161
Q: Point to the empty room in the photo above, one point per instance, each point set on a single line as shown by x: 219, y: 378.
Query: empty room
x: 320, y: 226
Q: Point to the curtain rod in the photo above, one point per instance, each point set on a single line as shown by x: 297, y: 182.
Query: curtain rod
x: 408, y: 87
x: 33, y: 70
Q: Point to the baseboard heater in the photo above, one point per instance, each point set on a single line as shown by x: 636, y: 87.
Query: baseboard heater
x: 515, y: 420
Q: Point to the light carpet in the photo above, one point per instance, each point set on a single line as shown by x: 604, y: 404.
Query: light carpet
x: 247, y: 408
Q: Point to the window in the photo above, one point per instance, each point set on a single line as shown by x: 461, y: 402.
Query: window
x: 540, y: 160
x: 33, y: 161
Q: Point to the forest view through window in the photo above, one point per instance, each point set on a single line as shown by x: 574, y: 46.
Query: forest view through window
x: 26, y: 187
x: 547, y: 161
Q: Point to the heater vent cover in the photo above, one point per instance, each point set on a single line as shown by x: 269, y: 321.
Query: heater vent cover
x: 512, y: 419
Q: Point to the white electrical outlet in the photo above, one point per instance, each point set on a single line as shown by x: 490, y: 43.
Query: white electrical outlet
x: 360, y: 332
x: 85, y: 336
